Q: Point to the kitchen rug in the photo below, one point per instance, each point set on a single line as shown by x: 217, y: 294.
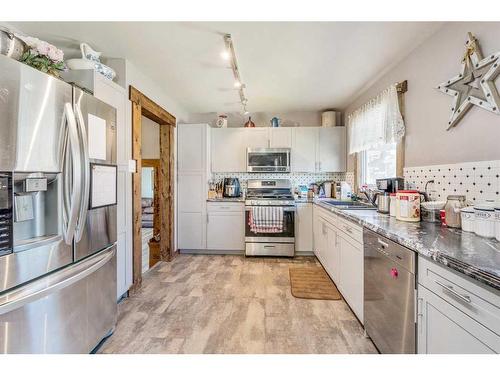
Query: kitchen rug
x: 312, y: 282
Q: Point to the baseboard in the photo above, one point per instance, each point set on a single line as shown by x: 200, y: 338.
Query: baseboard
x: 212, y: 252
x: 304, y: 253
x: 233, y: 252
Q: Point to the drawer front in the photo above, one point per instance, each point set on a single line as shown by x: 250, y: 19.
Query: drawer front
x: 353, y: 230
x: 225, y: 207
x: 479, y: 303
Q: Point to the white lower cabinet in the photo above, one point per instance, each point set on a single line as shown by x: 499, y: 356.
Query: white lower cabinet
x: 304, y: 227
x: 351, y: 273
x: 454, y: 314
x: 226, y: 226
x: 339, y: 248
x: 191, y: 230
x: 444, y: 329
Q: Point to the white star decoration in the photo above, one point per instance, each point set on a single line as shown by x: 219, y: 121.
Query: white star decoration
x: 475, y: 85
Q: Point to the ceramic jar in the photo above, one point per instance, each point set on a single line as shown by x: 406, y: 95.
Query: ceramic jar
x: 467, y: 216
x: 497, y: 221
x: 408, y: 205
x: 392, y: 205
x: 484, y: 220
x: 453, y: 206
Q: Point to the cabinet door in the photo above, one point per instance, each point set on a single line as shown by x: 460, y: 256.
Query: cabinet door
x: 255, y: 138
x: 333, y: 254
x: 226, y: 231
x: 228, y: 150
x: 443, y: 329
x: 191, y: 192
x: 316, y: 231
x: 332, y: 149
x: 351, y: 274
x: 303, y: 156
x: 280, y: 137
x: 191, y: 230
x: 191, y: 147
x: 304, y: 227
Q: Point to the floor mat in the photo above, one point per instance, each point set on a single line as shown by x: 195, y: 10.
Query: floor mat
x: 312, y: 283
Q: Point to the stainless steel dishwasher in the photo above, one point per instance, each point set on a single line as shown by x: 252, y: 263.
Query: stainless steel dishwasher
x: 389, y: 294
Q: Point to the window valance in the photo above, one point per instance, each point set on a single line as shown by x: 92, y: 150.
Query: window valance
x: 376, y: 123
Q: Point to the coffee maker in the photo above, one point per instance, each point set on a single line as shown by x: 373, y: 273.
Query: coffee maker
x: 390, y: 185
x: 231, y: 188
x: 387, y: 186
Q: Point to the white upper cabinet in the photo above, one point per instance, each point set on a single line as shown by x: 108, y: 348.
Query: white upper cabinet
x: 314, y: 149
x: 191, y: 153
x: 331, y: 149
x: 280, y: 137
x: 228, y: 150
x: 255, y: 138
x: 304, y: 141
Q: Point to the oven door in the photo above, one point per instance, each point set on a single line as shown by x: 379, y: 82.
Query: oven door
x: 268, y: 160
x: 287, y: 236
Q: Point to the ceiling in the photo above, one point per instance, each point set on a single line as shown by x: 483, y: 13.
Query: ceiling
x: 286, y: 66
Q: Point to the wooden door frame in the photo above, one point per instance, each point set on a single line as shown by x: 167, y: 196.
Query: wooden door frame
x: 143, y: 106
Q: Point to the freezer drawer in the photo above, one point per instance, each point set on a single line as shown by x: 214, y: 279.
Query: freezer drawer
x: 69, y: 311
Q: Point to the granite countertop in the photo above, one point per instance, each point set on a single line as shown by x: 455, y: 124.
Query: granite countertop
x: 474, y: 256
x: 226, y: 200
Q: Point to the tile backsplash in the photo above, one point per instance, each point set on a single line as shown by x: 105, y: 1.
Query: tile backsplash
x: 296, y: 178
x: 478, y: 181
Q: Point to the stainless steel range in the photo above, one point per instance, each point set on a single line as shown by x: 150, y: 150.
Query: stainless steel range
x: 269, y: 218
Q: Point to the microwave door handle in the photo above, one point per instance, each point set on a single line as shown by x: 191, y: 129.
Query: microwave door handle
x: 73, y: 204
x: 82, y: 217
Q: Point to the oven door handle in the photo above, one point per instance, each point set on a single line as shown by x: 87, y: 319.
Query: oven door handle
x: 285, y: 209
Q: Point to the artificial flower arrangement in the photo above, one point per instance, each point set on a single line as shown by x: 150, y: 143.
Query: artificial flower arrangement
x: 43, y: 56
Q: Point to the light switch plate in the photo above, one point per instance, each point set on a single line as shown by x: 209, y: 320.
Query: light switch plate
x: 132, y: 166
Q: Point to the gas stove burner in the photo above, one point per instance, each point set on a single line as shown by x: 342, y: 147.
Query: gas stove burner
x: 269, y: 192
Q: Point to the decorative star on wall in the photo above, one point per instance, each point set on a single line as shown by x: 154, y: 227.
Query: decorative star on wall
x: 475, y: 85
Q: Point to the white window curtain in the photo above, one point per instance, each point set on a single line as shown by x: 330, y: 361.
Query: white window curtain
x: 376, y: 123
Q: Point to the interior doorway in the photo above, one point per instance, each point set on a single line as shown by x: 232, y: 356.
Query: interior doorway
x: 143, y: 106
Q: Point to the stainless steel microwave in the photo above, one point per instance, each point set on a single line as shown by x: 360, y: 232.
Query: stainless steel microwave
x: 268, y: 160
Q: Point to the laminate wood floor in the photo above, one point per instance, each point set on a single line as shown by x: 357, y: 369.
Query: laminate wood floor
x: 231, y: 304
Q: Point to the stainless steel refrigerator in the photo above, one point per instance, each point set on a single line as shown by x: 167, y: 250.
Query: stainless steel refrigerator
x: 57, y: 214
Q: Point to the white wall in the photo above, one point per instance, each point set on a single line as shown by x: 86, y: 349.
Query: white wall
x: 150, y: 134
x: 476, y: 137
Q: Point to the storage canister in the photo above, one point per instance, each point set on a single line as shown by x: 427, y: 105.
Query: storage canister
x: 453, y: 206
x: 392, y: 205
x: 467, y: 216
x: 484, y: 220
x: 408, y: 205
x: 497, y: 221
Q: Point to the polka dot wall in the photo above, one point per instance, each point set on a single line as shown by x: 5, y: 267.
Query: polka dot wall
x: 295, y: 178
x: 478, y: 181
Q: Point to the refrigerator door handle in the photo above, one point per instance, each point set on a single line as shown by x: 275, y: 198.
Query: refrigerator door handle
x: 84, y: 204
x: 25, y: 296
x: 73, y: 204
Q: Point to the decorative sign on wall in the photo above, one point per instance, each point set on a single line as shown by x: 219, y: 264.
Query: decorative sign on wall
x: 475, y: 85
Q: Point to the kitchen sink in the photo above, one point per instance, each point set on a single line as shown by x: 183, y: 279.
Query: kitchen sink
x: 350, y: 205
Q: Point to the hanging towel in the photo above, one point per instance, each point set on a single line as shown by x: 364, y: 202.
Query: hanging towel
x: 264, y: 219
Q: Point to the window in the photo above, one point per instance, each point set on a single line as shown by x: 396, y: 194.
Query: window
x: 378, y: 162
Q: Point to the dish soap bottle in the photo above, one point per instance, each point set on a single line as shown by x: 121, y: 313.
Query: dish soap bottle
x: 249, y: 123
